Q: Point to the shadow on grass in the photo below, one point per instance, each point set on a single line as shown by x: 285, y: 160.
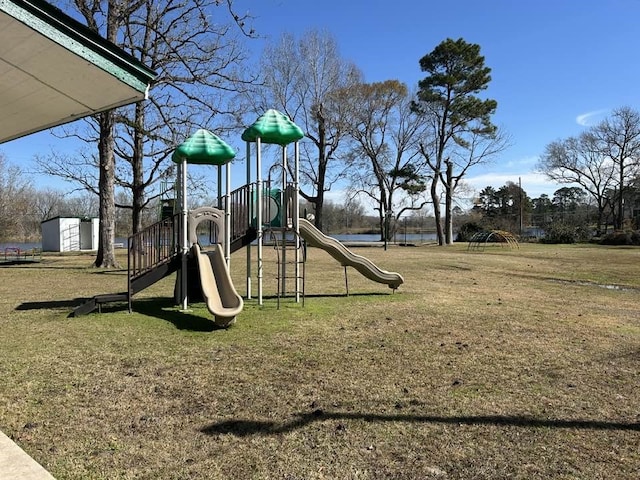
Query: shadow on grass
x: 164, y: 308
x: 33, y: 266
x: 244, y: 428
x: 12, y: 263
x: 328, y: 295
x: 51, y: 304
x: 339, y: 295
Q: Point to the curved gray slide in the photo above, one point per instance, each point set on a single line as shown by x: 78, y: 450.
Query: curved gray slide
x: 218, y: 291
x: 346, y: 257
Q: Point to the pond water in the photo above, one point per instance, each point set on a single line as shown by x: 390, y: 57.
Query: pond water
x: 416, y: 238
x: 399, y: 237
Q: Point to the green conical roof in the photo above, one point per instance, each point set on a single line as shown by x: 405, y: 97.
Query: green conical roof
x: 204, y: 148
x: 273, y: 127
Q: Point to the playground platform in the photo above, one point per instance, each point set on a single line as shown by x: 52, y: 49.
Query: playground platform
x: 16, y: 464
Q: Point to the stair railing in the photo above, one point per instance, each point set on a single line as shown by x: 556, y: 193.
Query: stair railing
x: 242, y: 208
x: 153, y: 246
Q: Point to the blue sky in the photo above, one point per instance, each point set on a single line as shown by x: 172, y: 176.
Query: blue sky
x: 557, y: 65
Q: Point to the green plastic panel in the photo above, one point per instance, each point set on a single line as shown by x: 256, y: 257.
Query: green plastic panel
x: 273, y: 127
x: 204, y: 148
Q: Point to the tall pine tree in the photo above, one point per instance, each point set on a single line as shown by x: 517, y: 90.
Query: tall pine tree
x: 462, y: 134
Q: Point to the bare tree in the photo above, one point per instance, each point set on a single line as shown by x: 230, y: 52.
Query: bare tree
x: 43, y: 204
x: 198, y: 59
x: 604, y: 160
x: 47, y: 203
x: 618, y: 139
x: 15, y: 200
x: 106, y: 18
x: 476, y: 149
x: 385, y: 159
x: 80, y: 204
x: 300, y: 78
x: 578, y: 160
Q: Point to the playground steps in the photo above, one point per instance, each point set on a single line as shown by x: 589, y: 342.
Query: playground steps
x: 137, y: 284
x: 97, y: 302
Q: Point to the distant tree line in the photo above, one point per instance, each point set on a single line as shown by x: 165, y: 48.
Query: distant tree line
x: 570, y: 215
x: 24, y: 206
x: 601, y: 168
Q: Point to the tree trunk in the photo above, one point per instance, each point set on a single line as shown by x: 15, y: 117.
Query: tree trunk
x: 106, y: 184
x: 600, y: 220
x: 322, y: 169
x: 385, y: 212
x: 106, y: 230
x: 137, y: 170
x: 436, y: 208
x: 620, y: 201
x: 448, y: 218
x: 448, y: 212
x: 318, y: 207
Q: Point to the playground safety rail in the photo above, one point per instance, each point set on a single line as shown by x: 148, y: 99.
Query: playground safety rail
x: 241, y: 211
x: 153, y: 246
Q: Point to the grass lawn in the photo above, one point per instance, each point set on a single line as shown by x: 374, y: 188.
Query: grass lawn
x: 520, y: 363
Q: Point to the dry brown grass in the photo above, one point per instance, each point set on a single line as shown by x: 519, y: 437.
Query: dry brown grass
x: 495, y: 364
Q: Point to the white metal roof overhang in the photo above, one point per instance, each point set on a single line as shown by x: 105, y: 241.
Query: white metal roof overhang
x: 54, y: 70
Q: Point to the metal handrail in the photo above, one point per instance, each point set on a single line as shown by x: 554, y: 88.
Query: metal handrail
x: 153, y: 246
x: 242, y: 209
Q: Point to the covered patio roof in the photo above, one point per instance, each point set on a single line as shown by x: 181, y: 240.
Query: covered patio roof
x: 54, y: 70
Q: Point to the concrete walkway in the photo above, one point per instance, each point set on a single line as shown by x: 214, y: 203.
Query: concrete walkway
x: 16, y: 464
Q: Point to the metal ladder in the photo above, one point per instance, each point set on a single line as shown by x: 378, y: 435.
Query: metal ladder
x: 286, y: 247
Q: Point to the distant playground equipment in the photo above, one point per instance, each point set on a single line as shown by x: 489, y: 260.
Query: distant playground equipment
x: 242, y: 219
x: 496, y: 237
x: 16, y: 255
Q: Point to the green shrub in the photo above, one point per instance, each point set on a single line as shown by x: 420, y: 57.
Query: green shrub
x: 559, y: 233
x: 619, y: 237
x: 467, y: 230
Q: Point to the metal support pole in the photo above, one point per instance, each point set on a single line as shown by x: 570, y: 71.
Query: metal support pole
x: 219, y: 206
x: 259, y: 217
x: 250, y: 207
x: 227, y: 217
x: 284, y: 218
x: 185, y: 234
x: 346, y: 280
x: 296, y: 215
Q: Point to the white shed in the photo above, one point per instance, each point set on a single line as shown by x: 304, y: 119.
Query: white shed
x: 69, y: 234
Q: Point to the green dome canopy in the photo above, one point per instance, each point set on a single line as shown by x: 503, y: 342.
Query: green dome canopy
x: 204, y: 148
x: 273, y: 127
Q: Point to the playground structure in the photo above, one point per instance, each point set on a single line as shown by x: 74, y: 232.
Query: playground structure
x: 17, y: 255
x: 242, y: 219
x: 480, y: 240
